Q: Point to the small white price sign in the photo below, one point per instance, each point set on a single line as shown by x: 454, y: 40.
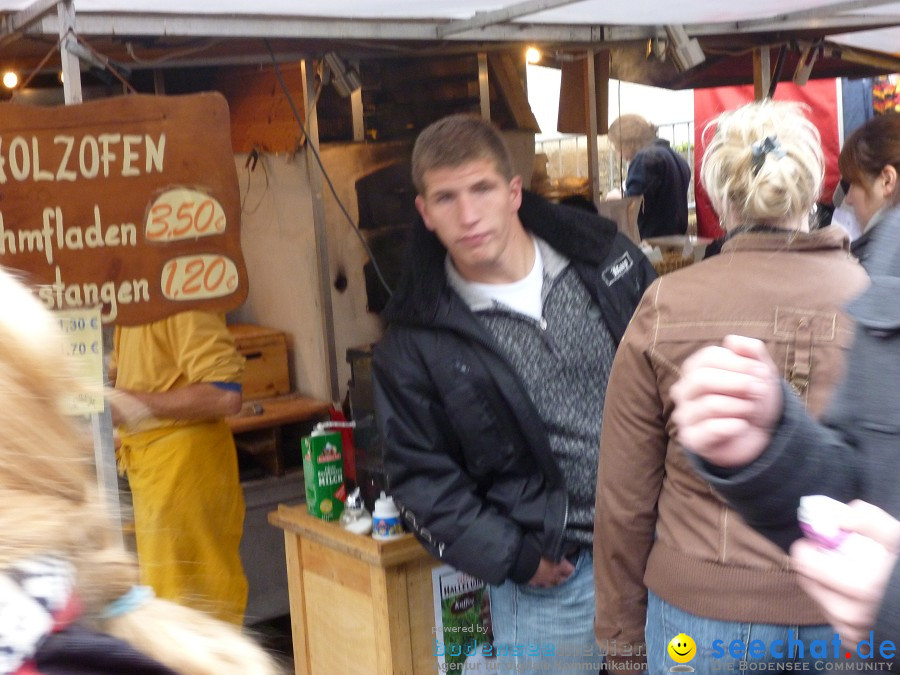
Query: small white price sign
x: 83, y: 342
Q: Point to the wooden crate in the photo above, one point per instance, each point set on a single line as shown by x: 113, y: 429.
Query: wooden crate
x: 266, y: 370
x: 377, y: 596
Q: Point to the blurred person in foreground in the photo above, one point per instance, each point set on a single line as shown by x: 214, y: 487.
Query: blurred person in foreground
x: 656, y: 172
x: 758, y: 447
x: 671, y: 557
x: 489, y: 387
x: 68, y: 600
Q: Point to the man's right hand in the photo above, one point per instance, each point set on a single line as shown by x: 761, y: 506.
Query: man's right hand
x: 727, y: 401
x: 550, y: 573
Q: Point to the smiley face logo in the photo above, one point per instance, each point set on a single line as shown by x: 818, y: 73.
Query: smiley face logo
x: 682, y: 648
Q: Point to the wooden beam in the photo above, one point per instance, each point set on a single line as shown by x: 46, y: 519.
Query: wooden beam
x: 11, y: 26
x: 509, y: 86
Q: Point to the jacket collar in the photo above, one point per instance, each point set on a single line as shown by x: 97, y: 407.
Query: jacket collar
x: 831, y: 237
x: 423, y: 294
x: 553, y: 264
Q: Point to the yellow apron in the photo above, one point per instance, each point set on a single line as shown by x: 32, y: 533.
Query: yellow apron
x: 188, y: 520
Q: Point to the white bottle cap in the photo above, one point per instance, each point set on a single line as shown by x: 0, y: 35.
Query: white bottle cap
x: 385, y: 507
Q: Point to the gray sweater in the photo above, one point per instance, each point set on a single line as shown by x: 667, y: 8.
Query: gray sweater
x: 564, y: 361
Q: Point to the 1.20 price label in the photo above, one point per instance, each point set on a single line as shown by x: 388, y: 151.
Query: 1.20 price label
x: 199, y: 277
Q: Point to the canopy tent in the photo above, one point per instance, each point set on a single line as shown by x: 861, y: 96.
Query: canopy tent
x: 740, y: 40
x: 853, y: 37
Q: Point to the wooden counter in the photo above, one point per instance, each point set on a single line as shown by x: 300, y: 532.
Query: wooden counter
x: 275, y: 411
x: 265, y: 426
x: 358, y: 605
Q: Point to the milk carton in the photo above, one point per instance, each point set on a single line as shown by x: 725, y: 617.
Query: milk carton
x: 323, y: 473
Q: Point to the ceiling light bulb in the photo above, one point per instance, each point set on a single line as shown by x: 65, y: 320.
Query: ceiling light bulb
x: 533, y: 55
x: 10, y: 79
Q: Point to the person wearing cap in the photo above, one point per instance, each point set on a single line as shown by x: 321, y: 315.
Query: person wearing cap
x: 656, y: 172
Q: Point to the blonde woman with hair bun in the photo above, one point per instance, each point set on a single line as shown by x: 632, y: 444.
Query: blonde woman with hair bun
x: 69, y: 599
x: 752, y: 177
x: 670, y: 555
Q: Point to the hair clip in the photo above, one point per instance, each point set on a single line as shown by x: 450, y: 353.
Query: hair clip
x: 760, y: 149
x: 135, y: 598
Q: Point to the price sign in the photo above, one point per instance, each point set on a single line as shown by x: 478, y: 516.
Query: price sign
x: 194, y: 277
x: 184, y: 214
x: 129, y: 202
x: 83, y: 344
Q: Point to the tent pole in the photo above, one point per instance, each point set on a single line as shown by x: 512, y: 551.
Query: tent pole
x: 593, y: 130
x: 101, y: 423
x: 70, y: 66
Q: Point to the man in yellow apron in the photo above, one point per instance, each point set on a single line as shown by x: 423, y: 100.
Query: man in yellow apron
x: 181, y: 462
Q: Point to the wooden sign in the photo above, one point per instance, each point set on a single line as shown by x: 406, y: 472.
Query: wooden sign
x: 131, y: 204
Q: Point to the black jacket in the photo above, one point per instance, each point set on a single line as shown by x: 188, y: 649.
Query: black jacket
x: 663, y: 177
x: 467, y: 457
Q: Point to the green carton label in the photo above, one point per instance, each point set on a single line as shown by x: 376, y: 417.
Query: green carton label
x: 323, y: 473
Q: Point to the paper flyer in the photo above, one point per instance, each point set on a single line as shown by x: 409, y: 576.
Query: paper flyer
x: 462, y: 620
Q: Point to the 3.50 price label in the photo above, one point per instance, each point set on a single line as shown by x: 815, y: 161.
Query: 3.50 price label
x: 198, y: 277
x: 184, y: 214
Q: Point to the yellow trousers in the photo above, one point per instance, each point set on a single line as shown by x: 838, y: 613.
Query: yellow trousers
x: 188, y: 515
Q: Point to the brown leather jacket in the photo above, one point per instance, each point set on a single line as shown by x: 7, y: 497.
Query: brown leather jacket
x: 658, y: 525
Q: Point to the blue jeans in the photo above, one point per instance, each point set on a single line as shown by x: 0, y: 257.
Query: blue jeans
x: 543, y: 629
x: 665, y: 621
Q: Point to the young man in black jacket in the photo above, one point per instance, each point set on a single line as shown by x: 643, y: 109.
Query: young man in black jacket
x: 490, y: 380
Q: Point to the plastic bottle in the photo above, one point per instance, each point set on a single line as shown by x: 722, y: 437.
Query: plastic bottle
x: 386, y: 519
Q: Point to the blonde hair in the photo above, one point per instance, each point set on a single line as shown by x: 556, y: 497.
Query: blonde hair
x: 783, y: 184
x: 631, y: 131
x: 51, y: 503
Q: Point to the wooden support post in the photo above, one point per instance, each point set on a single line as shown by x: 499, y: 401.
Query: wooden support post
x: 322, y: 258
x: 356, y: 106
x: 762, y: 73
x: 597, y: 103
x: 484, y: 87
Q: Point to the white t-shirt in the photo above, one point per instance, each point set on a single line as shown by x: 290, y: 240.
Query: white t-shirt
x: 524, y: 295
